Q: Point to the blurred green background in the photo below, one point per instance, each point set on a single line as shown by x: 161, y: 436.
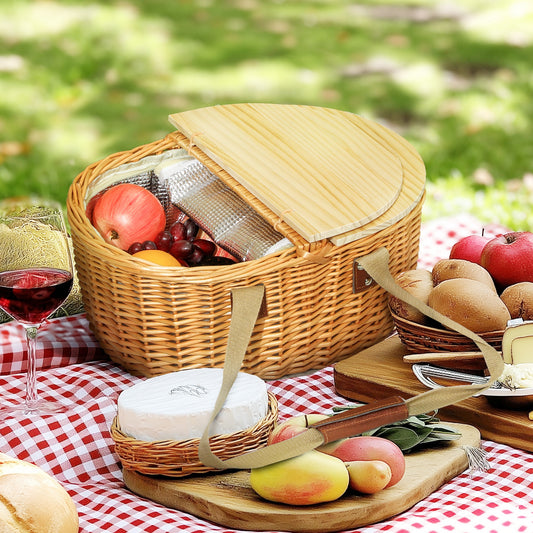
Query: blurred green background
x: 81, y: 80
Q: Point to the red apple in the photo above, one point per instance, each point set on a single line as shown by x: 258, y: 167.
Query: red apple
x: 128, y: 213
x: 294, y: 426
x: 469, y: 248
x: 89, y: 210
x: 509, y: 258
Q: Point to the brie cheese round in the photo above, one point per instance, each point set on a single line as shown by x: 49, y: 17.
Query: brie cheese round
x: 178, y: 405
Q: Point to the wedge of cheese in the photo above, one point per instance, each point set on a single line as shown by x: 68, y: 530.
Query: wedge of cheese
x: 178, y: 405
x: 517, y: 344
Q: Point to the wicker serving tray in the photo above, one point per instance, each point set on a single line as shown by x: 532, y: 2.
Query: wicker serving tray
x: 423, y: 338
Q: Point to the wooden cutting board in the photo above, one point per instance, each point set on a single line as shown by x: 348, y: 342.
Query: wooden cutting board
x: 228, y: 500
x: 326, y: 173
x: 379, y: 371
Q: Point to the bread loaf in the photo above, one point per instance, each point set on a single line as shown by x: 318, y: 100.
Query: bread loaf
x: 459, y: 268
x: 519, y: 300
x: 31, y: 501
x: 418, y: 283
x: 470, y: 303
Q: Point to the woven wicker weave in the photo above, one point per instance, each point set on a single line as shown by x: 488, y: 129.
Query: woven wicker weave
x: 180, y: 458
x: 419, y: 338
x: 154, y: 320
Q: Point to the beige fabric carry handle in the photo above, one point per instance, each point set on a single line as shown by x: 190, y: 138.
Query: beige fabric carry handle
x: 376, y: 265
x: 247, y: 302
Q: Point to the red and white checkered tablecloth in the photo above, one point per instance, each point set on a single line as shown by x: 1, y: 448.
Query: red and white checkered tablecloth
x: 77, y: 449
x: 61, y: 342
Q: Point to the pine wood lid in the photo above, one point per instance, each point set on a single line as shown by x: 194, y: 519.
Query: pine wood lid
x: 327, y: 173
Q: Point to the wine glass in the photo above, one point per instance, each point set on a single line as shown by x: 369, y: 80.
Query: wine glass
x: 36, y: 275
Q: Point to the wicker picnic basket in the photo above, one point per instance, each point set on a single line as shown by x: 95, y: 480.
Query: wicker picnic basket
x: 336, y: 185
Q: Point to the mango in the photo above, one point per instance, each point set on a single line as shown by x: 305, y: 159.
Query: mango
x: 368, y: 448
x: 369, y: 477
x: 310, y: 478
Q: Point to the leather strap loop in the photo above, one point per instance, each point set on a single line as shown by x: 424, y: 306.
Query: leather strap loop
x: 320, y: 257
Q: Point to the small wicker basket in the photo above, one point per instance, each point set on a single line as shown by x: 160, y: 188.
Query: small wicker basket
x: 180, y: 458
x: 154, y: 320
x: 420, y: 338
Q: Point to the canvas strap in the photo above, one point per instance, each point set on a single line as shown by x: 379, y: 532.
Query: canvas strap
x: 247, y: 303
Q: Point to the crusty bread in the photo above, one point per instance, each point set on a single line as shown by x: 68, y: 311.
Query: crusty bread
x: 470, y: 303
x: 519, y: 300
x: 460, y: 268
x: 417, y: 282
x: 31, y: 501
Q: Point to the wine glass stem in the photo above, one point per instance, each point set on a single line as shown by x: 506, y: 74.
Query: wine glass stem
x: 32, y: 397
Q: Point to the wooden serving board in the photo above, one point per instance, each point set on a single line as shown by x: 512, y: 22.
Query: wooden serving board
x: 379, y: 371
x: 228, y: 500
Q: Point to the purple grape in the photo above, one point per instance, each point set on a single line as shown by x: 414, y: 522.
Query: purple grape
x: 178, y: 231
x: 208, y: 247
x: 135, y: 247
x: 196, y: 256
x: 191, y: 229
x: 181, y: 249
x: 164, y: 241
x: 149, y: 245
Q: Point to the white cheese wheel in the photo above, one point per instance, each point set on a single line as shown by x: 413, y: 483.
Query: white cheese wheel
x: 178, y: 405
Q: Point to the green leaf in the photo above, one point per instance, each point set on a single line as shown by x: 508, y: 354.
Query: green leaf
x: 415, y: 420
x: 404, y: 438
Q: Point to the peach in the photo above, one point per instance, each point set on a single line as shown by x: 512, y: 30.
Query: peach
x: 294, y: 426
x: 368, y: 448
x: 310, y: 478
x: 369, y: 477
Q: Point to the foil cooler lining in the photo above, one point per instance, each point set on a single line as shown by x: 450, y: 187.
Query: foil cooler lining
x: 179, y: 180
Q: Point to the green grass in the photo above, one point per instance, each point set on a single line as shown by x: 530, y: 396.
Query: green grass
x: 82, y: 80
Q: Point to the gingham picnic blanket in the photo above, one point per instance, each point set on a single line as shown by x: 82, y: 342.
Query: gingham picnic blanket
x: 77, y: 449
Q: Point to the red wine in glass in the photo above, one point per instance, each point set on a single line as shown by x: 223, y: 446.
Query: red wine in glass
x: 30, y: 295
x: 36, y: 276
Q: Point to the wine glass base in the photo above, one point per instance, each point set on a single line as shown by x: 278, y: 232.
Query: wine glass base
x: 38, y: 409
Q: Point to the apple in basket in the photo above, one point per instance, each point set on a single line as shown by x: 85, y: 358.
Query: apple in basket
x: 469, y: 248
x: 509, y: 258
x: 127, y: 213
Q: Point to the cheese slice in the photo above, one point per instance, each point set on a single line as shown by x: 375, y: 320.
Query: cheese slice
x: 517, y: 344
x: 178, y: 405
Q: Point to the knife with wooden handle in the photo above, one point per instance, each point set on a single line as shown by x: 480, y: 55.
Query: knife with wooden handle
x: 460, y: 360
